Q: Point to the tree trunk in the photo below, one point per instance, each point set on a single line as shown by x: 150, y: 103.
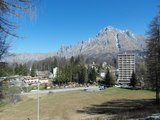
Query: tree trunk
x: 157, y: 96
x: 157, y: 88
x: 157, y: 70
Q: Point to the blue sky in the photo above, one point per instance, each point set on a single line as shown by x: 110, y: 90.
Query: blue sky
x: 67, y: 22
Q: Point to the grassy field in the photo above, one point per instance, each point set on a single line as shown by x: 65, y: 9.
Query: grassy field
x: 113, y: 103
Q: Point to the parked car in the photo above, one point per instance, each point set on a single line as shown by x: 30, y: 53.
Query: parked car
x: 102, y: 87
x: 117, y: 86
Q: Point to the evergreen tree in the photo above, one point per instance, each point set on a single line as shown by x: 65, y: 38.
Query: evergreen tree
x: 67, y: 73
x: 21, y: 70
x: 92, y: 75
x: 108, y: 79
x: 141, y: 72
x: 133, y: 80
x: 25, y: 70
x: 83, y: 75
x: 16, y: 69
x: 33, y: 71
x: 72, y: 59
x: 5, y: 69
x: 153, y: 56
x: 58, y: 76
x: 61, y: 75
x: 77, y: 60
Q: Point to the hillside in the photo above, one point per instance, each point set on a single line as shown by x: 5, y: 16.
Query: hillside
x: 81, y: 105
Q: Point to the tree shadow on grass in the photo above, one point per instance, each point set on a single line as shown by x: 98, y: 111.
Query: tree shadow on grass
x: 123, y: 108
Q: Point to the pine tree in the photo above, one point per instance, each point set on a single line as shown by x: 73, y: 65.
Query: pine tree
x: 133, y: 80
x: 83, y: 75
x: 16, y: 69
x: 25, y: 70
x: 5, y: 69
x: 108, y: 79
x: 33, y: 71
x: 72, y: 59
x: 153, y: 56
x: 92, y: 75
x: 20, y: 69
x: 77, y: 60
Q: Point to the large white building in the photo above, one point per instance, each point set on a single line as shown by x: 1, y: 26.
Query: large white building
x: 126, y: 66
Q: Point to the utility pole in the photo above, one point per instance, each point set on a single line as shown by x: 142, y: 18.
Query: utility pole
x: 38, y: 101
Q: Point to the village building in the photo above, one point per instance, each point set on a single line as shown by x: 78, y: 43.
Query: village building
x: 126, y: 66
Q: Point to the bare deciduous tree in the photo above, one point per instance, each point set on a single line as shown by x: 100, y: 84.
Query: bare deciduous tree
x: 10, y: 9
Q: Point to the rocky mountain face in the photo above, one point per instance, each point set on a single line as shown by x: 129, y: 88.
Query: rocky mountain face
x: 109, y: 41
x: 27, y: 57
x: 105, y: 45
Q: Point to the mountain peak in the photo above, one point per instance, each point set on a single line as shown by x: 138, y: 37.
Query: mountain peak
x: 109, y: 40
x: 110, y: 27
x: 111, y: 30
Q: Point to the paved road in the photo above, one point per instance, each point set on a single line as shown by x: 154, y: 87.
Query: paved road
x: 89, y: 89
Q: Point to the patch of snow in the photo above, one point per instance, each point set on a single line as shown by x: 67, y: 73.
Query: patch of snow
x: 117, y: 42
x: 134, y: 36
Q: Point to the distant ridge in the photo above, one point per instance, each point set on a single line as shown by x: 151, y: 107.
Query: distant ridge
x: 27, y: 57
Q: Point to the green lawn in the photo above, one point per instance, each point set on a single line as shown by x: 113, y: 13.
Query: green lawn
x: 77, y: 105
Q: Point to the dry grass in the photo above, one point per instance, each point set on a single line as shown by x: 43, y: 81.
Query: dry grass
x: 77, y: 105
